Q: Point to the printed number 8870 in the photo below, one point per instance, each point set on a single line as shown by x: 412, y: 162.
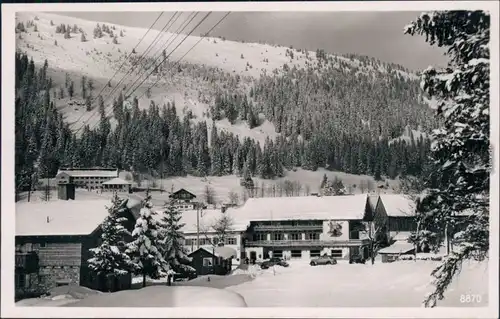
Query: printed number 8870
x: 470, y: 298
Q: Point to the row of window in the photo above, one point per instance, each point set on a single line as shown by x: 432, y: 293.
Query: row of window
x: 291, y: 236
x: 28, y: 247
x: 290, y: 223
x: 208, y: 241
x: 103, y: 178
x: 336, y: 253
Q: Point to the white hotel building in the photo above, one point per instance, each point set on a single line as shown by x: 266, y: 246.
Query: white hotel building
x: 294, y: 227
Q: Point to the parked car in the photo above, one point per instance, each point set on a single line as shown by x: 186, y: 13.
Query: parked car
x: 357, y: 259
x: 323, y: 260
x: 275, y: 261
x: 184, y: 274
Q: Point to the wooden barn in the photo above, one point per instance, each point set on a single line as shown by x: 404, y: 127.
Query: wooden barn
x: 184, y: 199
x: 53, y: 241
x: 216, y: 261
x: 183, y: 195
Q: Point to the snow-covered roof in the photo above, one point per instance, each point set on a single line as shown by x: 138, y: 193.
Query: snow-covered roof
x: 207, y: 218
x: 223, y: 251
x: 90, y: 173
x: 65, y: 218
x: 346, y: 207
x: 117, y: 181
x: 403, y: 236
x: 398, y: 247
x: 398, y: 205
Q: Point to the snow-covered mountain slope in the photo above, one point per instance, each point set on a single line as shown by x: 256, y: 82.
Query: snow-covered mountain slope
x: 99, y: 58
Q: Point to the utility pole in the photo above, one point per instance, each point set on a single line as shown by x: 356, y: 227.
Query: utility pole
x: 198, y: 225
x: 161, y: 173
x: 30, y: 187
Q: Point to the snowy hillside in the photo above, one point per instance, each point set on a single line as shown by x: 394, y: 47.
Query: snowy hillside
x: 99, y: 58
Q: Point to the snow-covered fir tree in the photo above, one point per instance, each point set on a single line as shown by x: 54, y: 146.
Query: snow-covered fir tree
x: 145, y: 249
x: 333, y: 187
x: 461, y: 147
x: 172, y: 239
x: 109, y: 258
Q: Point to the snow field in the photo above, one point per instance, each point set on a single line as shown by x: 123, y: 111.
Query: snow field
x: 399, y: 284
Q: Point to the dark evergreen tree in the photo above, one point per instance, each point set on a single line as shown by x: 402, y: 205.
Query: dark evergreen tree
x: 461, y: 147
x: 109, y: 258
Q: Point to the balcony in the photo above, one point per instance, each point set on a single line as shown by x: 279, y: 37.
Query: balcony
x: 290, y: 228
x: 307, y: 243
x: 28, y: 262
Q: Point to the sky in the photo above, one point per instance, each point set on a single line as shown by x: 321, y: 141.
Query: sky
x: 375, y: 34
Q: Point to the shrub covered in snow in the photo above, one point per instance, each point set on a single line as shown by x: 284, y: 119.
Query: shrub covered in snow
x: 422, y: 256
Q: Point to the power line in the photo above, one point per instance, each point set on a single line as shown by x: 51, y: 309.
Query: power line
x: 134, y: 65
x: 171, y: 36
x: 105, y: 85
x: 165, y: 58
x: 178, y: 33
x: 95, y: 111
x: 177, y: 62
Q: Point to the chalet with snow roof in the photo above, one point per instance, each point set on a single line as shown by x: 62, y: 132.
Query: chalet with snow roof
x: 183, y: 195
x: 91, y: 178
x: 185, y: 199
x: 306, y: 226
x: 53, y: 241
x: 398, y: 211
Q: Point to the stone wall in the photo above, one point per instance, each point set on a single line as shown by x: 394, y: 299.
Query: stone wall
x: 52, y: 276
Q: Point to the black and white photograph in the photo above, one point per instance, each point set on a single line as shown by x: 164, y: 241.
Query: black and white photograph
x: 306, y: 159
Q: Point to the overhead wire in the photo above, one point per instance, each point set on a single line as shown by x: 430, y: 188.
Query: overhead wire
x: 178, y: 61
x: 134, y: 65
x: 178, y: 33
x: 116, y: 72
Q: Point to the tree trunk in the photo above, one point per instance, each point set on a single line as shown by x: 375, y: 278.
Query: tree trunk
x: 372, y: 252
x: 143, y: 280
x: 447, y: 239
x: 417, y: 236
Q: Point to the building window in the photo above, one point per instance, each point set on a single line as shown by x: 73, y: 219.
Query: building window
x: 278, y: 253
x: 230, y: 241
x: 354, y: 234
x: 295, y: 236
x: 315, y: 253
x: 278, y: 236
x: 203, y: 241
x: 259, y: 236
x: 296, y: 253
x: 207, y: 262
x: 337, y: 253
x: 312, y: 236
